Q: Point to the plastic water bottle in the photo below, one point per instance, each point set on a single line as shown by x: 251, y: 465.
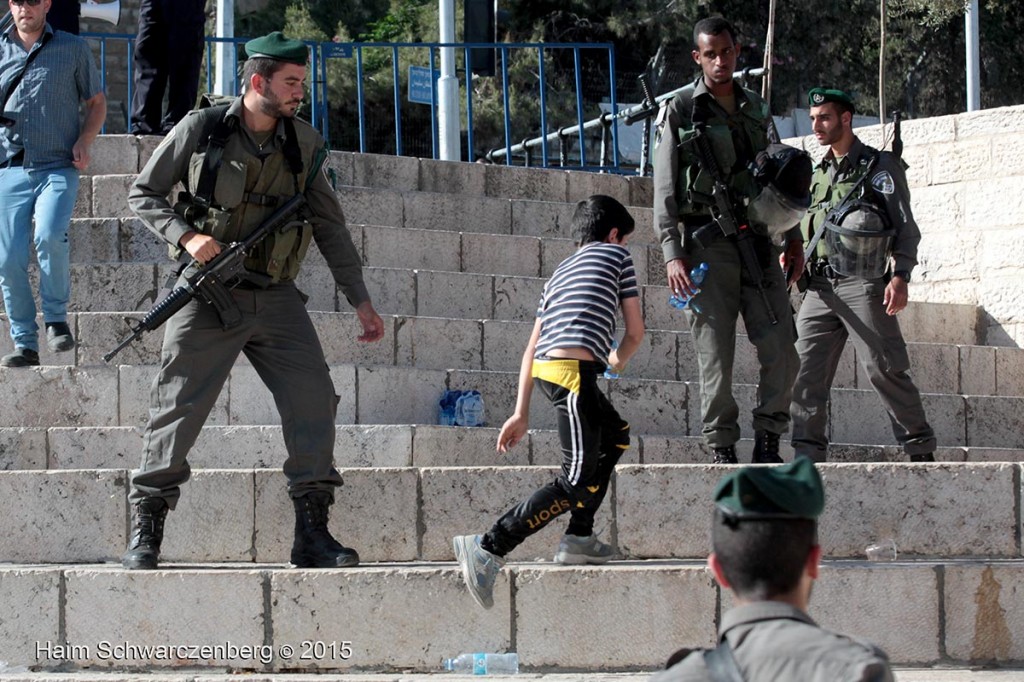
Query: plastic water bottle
x: 469, y: 409
x: 484, y: 664
x: 610, y: 373
x: 681, y: 301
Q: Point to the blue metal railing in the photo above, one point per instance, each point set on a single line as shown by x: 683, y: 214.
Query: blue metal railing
x: 411, y: 54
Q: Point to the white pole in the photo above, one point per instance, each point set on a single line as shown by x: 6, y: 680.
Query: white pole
x: 224, y: 83
x: 881, y: 65
x: 972, y: 30
x: 448, y: 125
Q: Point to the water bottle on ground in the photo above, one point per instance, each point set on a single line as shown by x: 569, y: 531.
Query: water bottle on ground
x: 484, y: 664
x: 680, y: 301
x: 469, y: 409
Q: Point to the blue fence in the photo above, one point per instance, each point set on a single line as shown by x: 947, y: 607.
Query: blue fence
x: 592, y: 84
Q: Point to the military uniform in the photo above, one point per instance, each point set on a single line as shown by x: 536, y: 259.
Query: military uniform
x: 772, y: 639
x: 836, y: 307
x: 681, y: 194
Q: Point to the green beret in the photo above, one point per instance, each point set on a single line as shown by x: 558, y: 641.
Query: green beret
x: 818, y: 96
x: 276, y: 46
x: 790, y: 491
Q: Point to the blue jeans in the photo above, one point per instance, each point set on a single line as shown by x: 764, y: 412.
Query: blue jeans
x: 47, y: 198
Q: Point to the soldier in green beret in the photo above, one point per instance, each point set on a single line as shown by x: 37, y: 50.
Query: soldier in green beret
x: 862, y: 241
x: 238, y: 162
x: 739, y: 127
x: 764, y: 539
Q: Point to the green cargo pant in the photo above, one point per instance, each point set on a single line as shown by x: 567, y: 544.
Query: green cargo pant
x: 728, y: 292
x: 279, y: 340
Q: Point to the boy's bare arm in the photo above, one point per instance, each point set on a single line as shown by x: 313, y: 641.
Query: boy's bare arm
x: 515, y: 427
x: 634, y: 319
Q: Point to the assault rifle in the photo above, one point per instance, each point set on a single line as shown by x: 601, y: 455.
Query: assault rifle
x: 213, y: 281
x: 726, y: 220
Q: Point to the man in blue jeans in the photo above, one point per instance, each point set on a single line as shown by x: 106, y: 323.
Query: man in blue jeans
x: 44, y: 76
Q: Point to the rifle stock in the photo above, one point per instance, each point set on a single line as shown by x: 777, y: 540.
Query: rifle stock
x: 212, y: 281
x: 725, y: 220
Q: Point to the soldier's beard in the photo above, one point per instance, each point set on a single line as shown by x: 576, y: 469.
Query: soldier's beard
x: 271, y: 105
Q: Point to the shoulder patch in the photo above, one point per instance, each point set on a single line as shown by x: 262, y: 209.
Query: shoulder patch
x: 883, y: 182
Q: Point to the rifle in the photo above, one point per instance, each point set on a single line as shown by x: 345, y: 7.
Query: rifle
x: 650, y: 108
x: 726, y: 220
x: 213, y: 281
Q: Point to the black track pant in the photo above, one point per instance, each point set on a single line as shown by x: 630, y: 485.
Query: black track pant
x: 593, y: 438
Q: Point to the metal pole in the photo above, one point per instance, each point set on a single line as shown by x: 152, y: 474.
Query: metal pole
x: 881, y: 66
x: 972, y: 29
x: 226, y: 68
x: 448, y: 86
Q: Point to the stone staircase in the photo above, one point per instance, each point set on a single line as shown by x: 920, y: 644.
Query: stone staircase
x: 456, y: 255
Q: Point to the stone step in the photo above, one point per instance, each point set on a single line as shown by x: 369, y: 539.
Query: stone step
x: 127, y: 154
x: 119, y: 396
x: 397, y: 514
x: 132, y: 286
x: 302, y: 620
x: 941, y: 673
x: 390, y: 445
x: 497, y: 345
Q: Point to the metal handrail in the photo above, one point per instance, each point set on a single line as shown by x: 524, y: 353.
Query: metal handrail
x: 605, y: 120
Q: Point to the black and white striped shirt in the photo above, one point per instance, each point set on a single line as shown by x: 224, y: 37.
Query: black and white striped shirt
x: 577, y: 308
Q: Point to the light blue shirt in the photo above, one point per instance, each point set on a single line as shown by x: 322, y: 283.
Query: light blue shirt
x: 45, y: 105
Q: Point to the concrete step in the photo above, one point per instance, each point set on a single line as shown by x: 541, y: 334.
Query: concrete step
x: 497, y: 345
x: 398, y: 445
x: 300, y: 621
x: 118, y: 396
x: 128, y: 286
x: 243, y: 515
x: 939, y: 673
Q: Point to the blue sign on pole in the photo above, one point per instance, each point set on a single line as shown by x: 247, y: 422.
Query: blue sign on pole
x: 338, y: 50
x: 419, y: 84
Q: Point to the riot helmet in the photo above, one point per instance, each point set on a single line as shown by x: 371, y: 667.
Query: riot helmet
x: 858, y: 238
x: 784, y: 174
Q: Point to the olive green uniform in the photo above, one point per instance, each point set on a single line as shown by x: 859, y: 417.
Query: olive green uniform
x: 681, y: 195
x: 276, y: 333
x: 836, y: 308
x: 774, y: 641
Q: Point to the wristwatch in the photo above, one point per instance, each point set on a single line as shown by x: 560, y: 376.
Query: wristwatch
x: 902, y: 274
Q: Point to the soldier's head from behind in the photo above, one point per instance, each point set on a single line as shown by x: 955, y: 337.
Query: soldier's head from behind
x: 601, y: 218
x: 832, y: 113
x: 274, y: 74
x: 715, y: 50
x: 765, y: 532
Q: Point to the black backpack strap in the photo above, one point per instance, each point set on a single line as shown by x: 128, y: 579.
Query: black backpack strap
x: 222, y: 130
x: 292, y: 153
x: 721, y: 663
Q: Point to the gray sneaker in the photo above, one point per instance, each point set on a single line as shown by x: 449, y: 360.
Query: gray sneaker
x: 577, y: 550
x: 479, y: 568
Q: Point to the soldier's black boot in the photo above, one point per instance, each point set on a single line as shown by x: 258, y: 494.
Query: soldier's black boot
x: 314, y: 547
x: 766, y: 448
x: 926, y: 457
x: 147, y: 533
x: 724, y: 455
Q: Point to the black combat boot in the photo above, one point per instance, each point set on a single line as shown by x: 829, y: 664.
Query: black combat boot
x: 766, y: 448
x: 314, y: 547
x: 724, y: 455
x: 926, y: 457
x: 147, y: 534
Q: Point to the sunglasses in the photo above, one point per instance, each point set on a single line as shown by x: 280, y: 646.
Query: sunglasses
x: 30, y: 3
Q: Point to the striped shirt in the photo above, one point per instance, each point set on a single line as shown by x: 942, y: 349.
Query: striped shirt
x: 45, y: 104
x: 578, y: 306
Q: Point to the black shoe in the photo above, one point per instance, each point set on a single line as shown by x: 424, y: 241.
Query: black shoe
x: 147, y: 534
x: 926, y: 457
x: 724, y: 455
x: 766, y: 448
x: 58, y: 337
x: 314, y: 546
x: 21, y: 357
